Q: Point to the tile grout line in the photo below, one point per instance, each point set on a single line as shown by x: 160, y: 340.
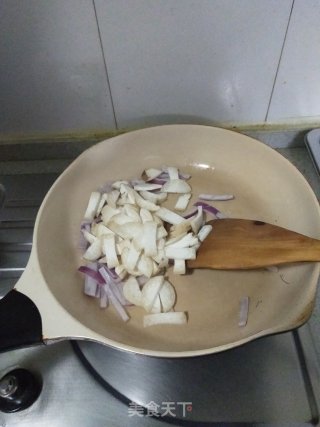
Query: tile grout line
x: 105, y: 64
x: 278, y: 66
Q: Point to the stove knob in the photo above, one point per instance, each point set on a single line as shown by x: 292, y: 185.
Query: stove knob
x: 19, y: 389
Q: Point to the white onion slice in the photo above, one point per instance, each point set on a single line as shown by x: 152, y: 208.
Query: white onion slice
x: 99, y: 230
x: 104, y: 300
x: 112, y: 198
x: 204, y: 232
x: 176, y: 186
x: 117, y: 184
x: 121, y: 271
x: 156, y: 308
x: 132, y: 212
x: 152, y: 173
x: 132, y: 258
x: 90, y: 284
x: 135, y: 197
x: 173, y: 173
x: 94, y: 251
x: 197, y: 222
x: 122, y: 218
x: 171, y: 318
x: 179, y: 266
x: 244, y: 311
x: 169, y: 216
x: 147, y: 187
x: 180, y: 229
x: 180, y: 253
x: 145, y: 215
x: 154, y: 197
x: 167, y: 296
x: 182, y: 202
x: 150, y: 238
x: 88, y: 236
x: 132, y: 292
x: 109, y: 249
x: 92, y: 207
x: 107, y: 213
x: 150, y: 291
x: 216, y: 197
x: 185, y: 242
x: 101, y: 204
x: 161, y: 232
x: 145, y: 266
x: 114, y: 301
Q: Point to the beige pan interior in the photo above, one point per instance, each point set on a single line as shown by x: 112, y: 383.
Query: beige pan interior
x: 266, y: 187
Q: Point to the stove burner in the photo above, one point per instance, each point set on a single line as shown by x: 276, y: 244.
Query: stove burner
x: 237, y: 383
x: 19, y: 389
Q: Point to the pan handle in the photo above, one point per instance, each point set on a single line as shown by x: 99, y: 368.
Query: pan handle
x: 20, y: 322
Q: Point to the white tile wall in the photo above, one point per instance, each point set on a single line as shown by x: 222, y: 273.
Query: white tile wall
x: 52, y: 75
x: 204, y: 61
x: 297, y: 88
x: 184, y: 60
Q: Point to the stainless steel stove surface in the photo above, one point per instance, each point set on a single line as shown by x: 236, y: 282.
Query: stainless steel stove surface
x: 273, y: 380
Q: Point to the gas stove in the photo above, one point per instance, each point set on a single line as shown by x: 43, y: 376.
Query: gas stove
x: 273, y: 380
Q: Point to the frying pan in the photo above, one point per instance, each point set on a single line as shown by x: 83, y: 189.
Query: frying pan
x: 48, y: 303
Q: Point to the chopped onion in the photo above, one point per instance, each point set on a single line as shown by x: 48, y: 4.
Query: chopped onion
x: 176, y: 186
x: 92, y: 278
x: 112, y: 198
x: 169, y: 216
x: 182, y: 202
x: 204, y: 232
x: 152, y: 173
x: 121, y: 271
x: 156, y: 308
x: 109, y: 249
x: 173, y: 173
x: 133, y: 237
x: 117, y: 305
x: 244, y: 311
x: 180, y: 253
x: 92, y: 205
x: 167, y: 296
x: 99, y: 230
x: 145, y: 266
x: 132, y: 292
x: 154, y: 197
x: 179, y: 266
x: 145, y: 215
x: 91, y: 270
x: 94, y: 251
x: 171, y: 318
x: 197, y: 222
x: 211, y: 209
x: 150, y: 238
x: 104, y: 301
x: 88, y: 236
x: 186, y: 241
x: 107, y: 213
x: 101, y: 204
x: 117, y: 184
x: 132, y: 212
x: 190, y: 214
x: 147, y: 187
x: 216, y: 197
x: 132, y: 258
x: 150, y: 291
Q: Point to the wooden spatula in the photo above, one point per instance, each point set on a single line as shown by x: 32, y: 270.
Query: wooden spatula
x: 245, y: 244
